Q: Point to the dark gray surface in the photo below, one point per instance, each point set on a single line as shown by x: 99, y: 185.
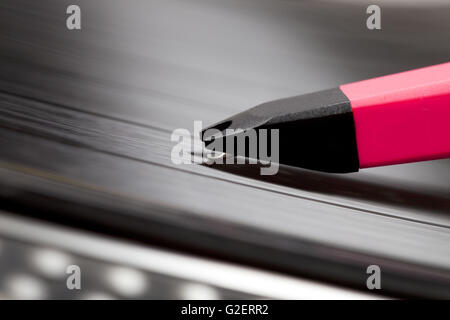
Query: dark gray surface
x: 159, y: 65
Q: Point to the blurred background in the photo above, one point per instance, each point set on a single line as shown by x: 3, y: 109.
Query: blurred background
x: 86, y: 176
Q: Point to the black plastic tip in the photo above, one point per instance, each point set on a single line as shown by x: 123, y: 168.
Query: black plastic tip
x: 316, y: 130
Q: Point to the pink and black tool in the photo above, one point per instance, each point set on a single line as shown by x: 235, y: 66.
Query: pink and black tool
x: 399, y: 118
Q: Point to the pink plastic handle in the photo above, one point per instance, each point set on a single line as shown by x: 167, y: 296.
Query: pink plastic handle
x: 404, y: 117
